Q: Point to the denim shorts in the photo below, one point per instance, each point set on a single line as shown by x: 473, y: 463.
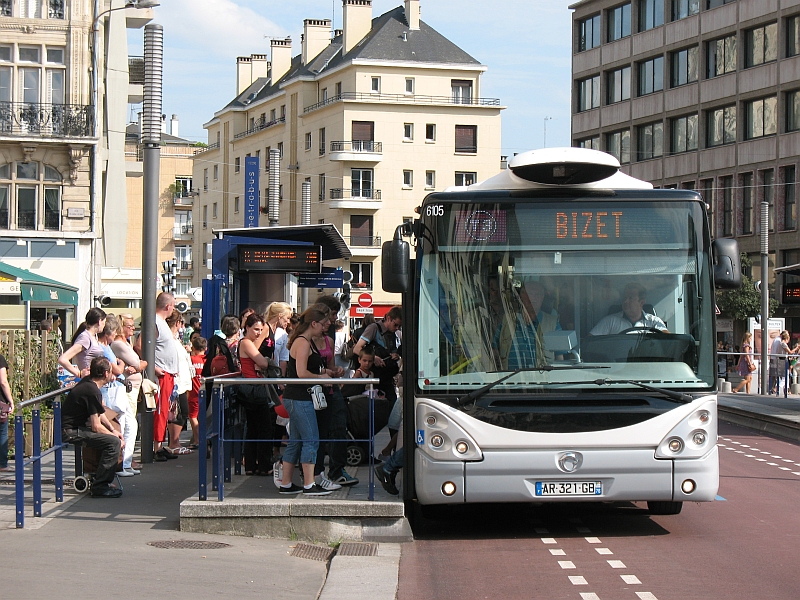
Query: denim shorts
x: 303, y: 432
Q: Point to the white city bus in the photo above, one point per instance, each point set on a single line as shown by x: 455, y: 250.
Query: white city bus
x: 515, y: 387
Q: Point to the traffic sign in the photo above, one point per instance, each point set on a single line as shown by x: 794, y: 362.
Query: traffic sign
x: 365, y: 300
x: 360, y: 310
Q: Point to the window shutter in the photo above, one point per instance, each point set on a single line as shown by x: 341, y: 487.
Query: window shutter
x: 360, y: 230
x: 363, y: 131
x: 466, y: 138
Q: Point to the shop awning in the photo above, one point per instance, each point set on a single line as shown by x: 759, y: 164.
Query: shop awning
x: 35, y: 288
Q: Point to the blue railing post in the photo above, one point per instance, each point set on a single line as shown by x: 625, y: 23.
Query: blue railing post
x: 57, y: 442
x: 37, y: 462
x: 222, y: 453
x: 215, y: 438
x: 786, y: 378
x: 371, y: 475
x: 19, y: 469
x: 202, y: 467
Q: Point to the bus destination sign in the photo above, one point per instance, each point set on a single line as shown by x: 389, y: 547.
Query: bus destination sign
x: 288, y: 259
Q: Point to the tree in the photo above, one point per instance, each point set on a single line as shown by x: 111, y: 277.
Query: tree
x: 746, y: 301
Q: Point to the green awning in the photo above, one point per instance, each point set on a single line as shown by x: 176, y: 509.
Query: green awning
x: 35, y: 288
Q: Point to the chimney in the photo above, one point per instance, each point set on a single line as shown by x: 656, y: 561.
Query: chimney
x: 316, y: 36
x: 163, y: 123
x: 357, y: 17
x: 244, y: 73
x: 173, y: 126
x: 412, y: 14
x: 259, y: 66
x: 281, y: 58
x: 338, y: 33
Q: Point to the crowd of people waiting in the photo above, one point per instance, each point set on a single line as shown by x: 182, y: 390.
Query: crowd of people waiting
x: 100, y: 411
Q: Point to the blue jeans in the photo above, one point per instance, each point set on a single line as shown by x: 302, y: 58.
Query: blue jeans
x: 395, y: 462
x: 303, y: 432
x: 4, y: 443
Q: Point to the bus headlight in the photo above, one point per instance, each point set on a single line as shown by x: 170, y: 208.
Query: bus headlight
x: 462, y: 447
x: 688, y: 486
x: 437, y: 441
x: 675, y: 445
x: 441, y: 437
x: 699, y: 438
x: 448, y: 488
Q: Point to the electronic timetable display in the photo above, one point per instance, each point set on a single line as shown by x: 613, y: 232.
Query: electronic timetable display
x: 791, y: 293
x: 301, y: 259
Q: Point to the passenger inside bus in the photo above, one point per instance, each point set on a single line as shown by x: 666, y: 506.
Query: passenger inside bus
x: 519, y: 341
x: 632, y: 314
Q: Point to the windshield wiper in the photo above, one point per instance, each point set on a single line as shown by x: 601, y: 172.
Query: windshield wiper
x: 475, y: 394
x: 678, y: 396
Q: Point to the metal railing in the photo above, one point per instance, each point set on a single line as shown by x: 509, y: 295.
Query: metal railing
x: 182, y: 230
x: 404, y: 99
x: 344, y: 193
x: 258, y: 125
x: 357, y: 146
x: 46, y: 120
x: 36, y: 456
x: 136, y: 70
x: 371, y: 241
x: 222, y: 446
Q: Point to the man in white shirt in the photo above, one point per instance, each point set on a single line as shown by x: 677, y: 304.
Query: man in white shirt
x: 632, y: 315
x: 166, y: 368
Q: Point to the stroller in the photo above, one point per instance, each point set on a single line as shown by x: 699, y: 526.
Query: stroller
x: 358, y: 426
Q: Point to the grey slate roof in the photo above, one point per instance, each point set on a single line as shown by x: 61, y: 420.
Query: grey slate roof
x: 383, y: 42
x: 132, y: 136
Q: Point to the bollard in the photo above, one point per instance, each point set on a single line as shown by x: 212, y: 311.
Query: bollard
x: 725, y: 388
x: 795, y: 389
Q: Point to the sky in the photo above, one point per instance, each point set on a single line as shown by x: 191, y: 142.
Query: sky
x: 525, y: 44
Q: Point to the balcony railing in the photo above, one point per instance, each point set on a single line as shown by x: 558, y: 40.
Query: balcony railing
x: 357, y: 146
x: 180, y: 231
x: 343, y: 193
x: 46, y: 120
x: 183, y: 199
x: 185, y: 265
x: 258, y: 125
x: 403, y: 99
x: 365, y: 241
x: 136, y: 70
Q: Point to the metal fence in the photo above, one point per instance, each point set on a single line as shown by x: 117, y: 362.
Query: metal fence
x: 786, y: 368
x: 222, y: 433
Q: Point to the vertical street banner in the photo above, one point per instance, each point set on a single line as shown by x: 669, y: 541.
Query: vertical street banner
x: 251, y: 203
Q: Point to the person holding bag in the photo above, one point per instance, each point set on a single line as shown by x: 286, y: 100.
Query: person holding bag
x: 746, y: 364
x: 179, y: 409
x: 6, y: 413
x: 256, y: 399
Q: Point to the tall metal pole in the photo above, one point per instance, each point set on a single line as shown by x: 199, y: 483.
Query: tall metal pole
x: 306, y: 220
x: 151, y: 142
x: 764, y: 297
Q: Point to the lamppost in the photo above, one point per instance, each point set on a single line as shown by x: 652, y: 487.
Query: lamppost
x: 546, y: 119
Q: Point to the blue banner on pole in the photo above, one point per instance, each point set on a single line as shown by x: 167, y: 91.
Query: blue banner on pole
x: 251, y: 200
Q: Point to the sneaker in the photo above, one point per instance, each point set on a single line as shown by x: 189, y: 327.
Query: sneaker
x: 345, y: 479
x: 277, y: 473
x: 124, y: 473
x: 316, y: 490
x: 292, y: 489
x: 132, y: 470
x: 387, y: 481
x: 327, y: 484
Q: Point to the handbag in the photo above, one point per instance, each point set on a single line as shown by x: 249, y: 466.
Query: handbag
x: 318, y: 397
x: 5, y: 409
x: 116, y: 398
x: 752, y: 366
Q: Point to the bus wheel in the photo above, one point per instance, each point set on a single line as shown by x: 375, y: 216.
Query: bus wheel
x: 664, y: 508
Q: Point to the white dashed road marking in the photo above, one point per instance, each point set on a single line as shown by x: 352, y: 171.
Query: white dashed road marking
x: 603, y: 551
x: 578, y: 580
x: 646, y: 596
x: 617, y: 564
x: 557, y: 552
x: 631, y: 579
x: 566, y: 564
x: 590, y: 596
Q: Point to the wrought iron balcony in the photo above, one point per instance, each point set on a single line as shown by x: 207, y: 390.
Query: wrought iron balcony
x: 344, y: 193
x: 258, y: 125
x: 46, y: 120
x: 402, y: 99
x: 364, y: 241
x: 357, y: 146
x: 183, y: 231
x: 185, y: 265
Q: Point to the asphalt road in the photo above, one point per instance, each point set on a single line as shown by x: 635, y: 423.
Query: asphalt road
x: 742, y: 547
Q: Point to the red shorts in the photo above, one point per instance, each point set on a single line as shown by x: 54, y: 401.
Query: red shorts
x: 194, y: 404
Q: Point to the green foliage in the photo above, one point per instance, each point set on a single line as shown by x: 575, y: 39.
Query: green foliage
x: 746, y: 301
x: 39, y: 382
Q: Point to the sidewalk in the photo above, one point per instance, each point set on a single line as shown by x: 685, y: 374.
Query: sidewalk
x: 83, y: 539
x: 775, y: 415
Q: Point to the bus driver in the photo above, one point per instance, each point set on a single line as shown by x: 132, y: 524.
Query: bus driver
x: 631, y: 315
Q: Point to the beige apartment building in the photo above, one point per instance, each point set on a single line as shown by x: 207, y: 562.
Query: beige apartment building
x: 58, y: 147
x: 374, y: 116
x: 704, y: 95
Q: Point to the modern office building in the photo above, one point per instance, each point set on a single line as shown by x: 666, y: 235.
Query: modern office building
x: 374, y: 116
x: 704, y: 95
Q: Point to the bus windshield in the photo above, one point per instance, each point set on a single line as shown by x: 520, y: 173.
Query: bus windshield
x: 569, y: 291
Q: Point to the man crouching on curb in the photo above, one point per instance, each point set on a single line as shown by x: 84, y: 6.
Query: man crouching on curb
x: 83, y: 421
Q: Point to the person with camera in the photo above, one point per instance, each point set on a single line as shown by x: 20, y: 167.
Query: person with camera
x: 381, y: 336
x: 305, y: 362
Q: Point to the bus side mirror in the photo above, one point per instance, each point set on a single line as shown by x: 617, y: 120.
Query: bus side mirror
x: 396, y: 266
x: 727, y: 268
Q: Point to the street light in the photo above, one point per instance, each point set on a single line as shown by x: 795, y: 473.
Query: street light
x: 546, y: 119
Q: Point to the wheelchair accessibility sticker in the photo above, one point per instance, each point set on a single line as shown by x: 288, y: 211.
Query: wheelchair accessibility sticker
x: 420, y: 437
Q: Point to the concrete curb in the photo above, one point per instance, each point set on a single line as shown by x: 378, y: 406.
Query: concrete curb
x: 760, y: 422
